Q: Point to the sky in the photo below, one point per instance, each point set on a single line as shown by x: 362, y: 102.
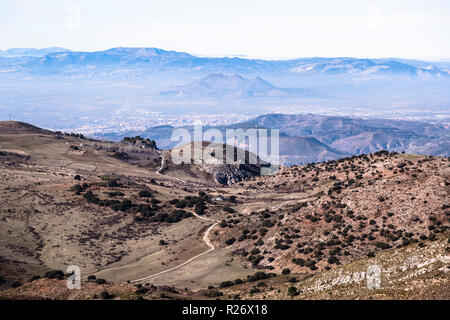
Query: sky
x: 278, y: 29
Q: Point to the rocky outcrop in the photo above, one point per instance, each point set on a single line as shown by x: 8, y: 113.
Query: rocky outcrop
x: 227, y: 174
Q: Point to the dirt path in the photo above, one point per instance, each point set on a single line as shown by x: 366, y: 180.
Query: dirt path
x: 205, y: 239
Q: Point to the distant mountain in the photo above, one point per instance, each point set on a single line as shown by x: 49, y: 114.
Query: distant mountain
x: 233, y: 86
x: 30, y: 52
x: 357, y: 66
x: 60, y: 60
x: 357, y: 135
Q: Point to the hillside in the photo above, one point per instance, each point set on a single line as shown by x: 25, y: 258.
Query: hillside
x: 16, y: 128
x: 126, y: 213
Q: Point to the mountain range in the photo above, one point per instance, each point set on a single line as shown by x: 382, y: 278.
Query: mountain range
x: 62, y: 61
x: 358, y: 135
x: 31, y: 52
x: 76, y: 89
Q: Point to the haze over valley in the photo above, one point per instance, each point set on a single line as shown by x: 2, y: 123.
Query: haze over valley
x: 126, y: 89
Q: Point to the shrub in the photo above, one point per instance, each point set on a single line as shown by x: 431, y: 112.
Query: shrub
x: 113, y: 184
x: 255, y: 259
x: 230, y: 241
x: 226, y: 284
x: 268, y: 223
x: 200, y: 208
x: 213, y: 293
x: 254, y: 290
x: 16, y: 284
x: 58, y: 274
x: 228, y: 209
x: 141, y: 291
x: 293, y: 280
x: 91, y: 277
x: 125, y: 205
x: 201, y: 194
x: 299, y: 261
x: 260, y: 275
x: 115, y: 194
x: 106, y: 295
x: 286, y: 271
x: 144, y: 194
x: 79, y: 188
x: 382, y: 245
x: 242, y: 238
x: 333, y: 259
x: 292, y: 291
x: 100, y: 281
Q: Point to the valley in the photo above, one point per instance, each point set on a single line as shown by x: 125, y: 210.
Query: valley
x: 123, y: 212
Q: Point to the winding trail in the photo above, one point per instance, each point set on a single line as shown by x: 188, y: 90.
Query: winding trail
x: 205, y: 239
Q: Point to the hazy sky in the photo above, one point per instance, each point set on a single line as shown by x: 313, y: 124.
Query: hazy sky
x: 254, y: 28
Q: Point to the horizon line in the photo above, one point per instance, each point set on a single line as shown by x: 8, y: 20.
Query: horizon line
x: 239, y: 56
